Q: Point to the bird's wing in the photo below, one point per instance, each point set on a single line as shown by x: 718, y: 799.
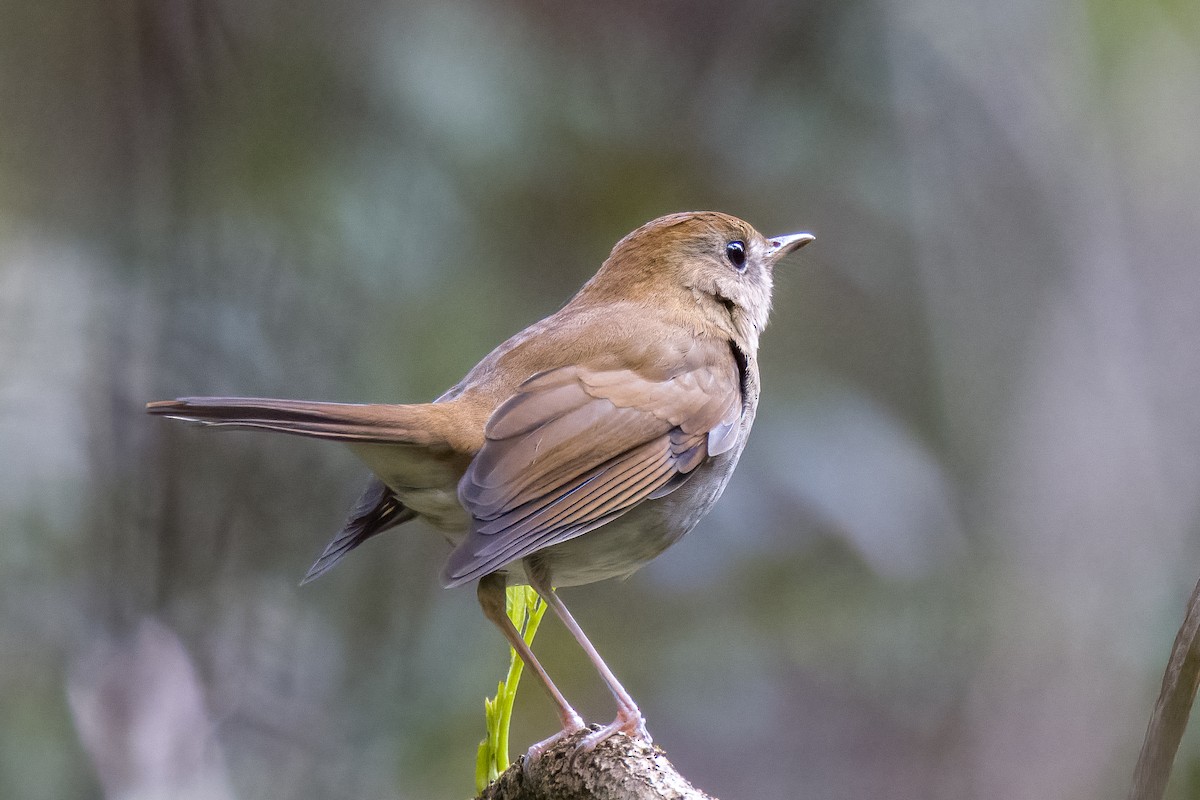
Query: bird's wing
x: 377, y: 510
x: 576, y: 447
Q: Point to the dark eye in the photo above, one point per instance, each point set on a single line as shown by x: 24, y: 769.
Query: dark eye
x: 736, y: 253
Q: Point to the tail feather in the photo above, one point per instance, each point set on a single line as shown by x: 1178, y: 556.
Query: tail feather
x: 414, y: 450
x: 346, y: 422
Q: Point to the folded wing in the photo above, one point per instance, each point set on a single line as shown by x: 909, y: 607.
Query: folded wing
x: 576, y: 447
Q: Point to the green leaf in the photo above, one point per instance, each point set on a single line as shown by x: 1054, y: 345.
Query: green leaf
x: 525, y: 608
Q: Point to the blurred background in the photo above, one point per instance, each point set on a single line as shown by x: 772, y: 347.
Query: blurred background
x: 955, y: 554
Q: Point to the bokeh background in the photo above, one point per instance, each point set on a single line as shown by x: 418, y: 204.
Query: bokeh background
x: 955, y: 554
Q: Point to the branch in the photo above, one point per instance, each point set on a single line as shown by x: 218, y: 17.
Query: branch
x: 1170, y: 716
x: 620, y: 768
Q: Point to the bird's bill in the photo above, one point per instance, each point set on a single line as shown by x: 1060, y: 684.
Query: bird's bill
x: 782, y: 245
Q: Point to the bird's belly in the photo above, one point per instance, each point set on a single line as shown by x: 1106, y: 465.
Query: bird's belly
x: 618, y: 548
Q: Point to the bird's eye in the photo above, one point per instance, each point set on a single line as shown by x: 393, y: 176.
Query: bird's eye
x: 736, y: 253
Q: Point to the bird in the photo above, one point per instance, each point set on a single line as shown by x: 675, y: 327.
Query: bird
x: 577, y: 450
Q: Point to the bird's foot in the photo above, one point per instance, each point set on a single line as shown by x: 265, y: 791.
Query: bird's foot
x: 571, y: 724
x: 629, y: 721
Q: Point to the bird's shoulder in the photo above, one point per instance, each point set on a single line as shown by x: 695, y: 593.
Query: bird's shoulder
x: 617, y: 338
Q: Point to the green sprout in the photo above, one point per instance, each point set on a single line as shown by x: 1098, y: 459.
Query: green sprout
x: 525, y: 609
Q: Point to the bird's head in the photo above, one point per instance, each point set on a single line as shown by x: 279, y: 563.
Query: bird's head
x: 713, y: 268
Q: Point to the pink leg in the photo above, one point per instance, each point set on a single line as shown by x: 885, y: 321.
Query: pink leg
x: 629, y: 717
x: 491, y: 599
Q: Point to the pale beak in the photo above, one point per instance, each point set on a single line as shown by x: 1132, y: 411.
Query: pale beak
x: 780, y: 246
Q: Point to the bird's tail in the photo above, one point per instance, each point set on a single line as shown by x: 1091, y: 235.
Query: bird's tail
x: 421, y: 425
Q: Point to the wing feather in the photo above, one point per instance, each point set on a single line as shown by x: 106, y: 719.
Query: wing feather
x: 575, y: 448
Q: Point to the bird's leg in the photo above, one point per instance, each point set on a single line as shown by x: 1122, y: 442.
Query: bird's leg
x: 492, y: 599
x: 629, y: 717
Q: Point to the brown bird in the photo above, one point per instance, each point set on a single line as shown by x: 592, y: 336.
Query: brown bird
x: 580, y: 448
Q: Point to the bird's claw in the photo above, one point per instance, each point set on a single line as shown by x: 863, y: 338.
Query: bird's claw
x: 572, y: 724
x: 629, y: 722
